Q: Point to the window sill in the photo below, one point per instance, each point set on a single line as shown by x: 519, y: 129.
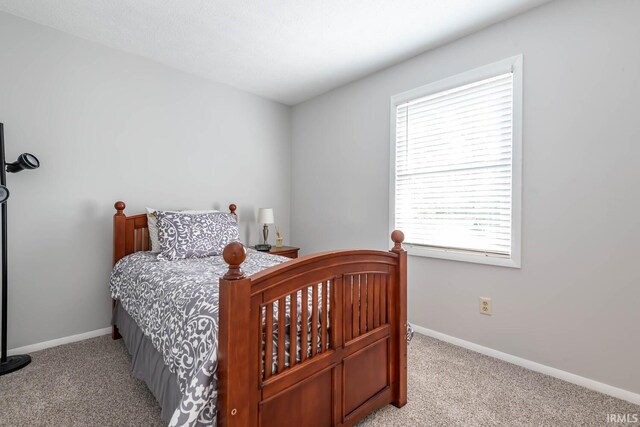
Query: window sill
x: 457, y: 255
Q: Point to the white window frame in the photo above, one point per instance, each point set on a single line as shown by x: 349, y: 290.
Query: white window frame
x: 513, y: 64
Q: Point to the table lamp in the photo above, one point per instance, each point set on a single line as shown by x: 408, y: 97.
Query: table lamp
x: 265, y: 216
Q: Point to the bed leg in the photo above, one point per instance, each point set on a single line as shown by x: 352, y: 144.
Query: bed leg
x: 400, y: 330
x: 115, y: 335
x: 119, y: 250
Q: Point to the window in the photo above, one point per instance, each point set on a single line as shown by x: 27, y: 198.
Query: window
x: 456, y: 165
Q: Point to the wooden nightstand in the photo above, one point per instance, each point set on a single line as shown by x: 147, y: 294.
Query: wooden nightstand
x: 288, y: 251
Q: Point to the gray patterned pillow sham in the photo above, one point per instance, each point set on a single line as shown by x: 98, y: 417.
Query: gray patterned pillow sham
x: 183, y: 235
x: 152, y: 225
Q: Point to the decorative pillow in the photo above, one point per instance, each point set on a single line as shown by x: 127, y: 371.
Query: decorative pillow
x: 152, y: 224
x: 183, y: 235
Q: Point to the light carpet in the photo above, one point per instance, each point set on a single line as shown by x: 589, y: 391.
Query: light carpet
x: 88, y: 383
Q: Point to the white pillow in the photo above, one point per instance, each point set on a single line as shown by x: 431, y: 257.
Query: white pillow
x: 152, y: 225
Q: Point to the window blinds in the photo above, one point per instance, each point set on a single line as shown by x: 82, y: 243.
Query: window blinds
x: 454, y: 167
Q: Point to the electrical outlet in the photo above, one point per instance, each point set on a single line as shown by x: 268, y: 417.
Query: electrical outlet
x: 485, y: 306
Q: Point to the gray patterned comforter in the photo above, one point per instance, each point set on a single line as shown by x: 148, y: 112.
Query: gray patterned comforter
x: 175, y: 304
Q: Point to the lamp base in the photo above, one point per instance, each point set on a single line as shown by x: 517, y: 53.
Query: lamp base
x: 263, y: 247
x: 14, y: 363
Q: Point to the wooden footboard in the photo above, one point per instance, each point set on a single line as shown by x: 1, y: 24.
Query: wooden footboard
x: 349, y: 360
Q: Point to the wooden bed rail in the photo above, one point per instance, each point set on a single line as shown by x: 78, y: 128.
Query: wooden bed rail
x: 347, y: 310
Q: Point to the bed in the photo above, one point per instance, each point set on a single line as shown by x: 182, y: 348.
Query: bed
x: 336, y: 321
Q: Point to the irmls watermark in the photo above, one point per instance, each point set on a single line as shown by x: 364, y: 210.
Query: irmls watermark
x: 623, y: 418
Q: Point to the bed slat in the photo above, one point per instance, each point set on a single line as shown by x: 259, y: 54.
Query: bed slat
x: 348, y: 307
x: 282, y: 308
x: 383, y: 299
x: 336, y: 298
x: 376, y: 300
x: 356, y: 306
x: 146, y: 240
x: 314, y: 320
x: 293, y: 329
x: 363, y: 303
x: 139, y: 233
x: 304, y: 338
x: 325, y: 316
x: 128, y: 241
x: 268, y: 340
x: 370, y: 292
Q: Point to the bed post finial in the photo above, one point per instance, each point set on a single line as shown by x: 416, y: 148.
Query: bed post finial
x: 119, y: 205
x: 398, y: 237
x: 234, y: 254
x: 232, y: 209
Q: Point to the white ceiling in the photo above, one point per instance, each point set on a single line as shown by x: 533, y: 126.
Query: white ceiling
x: 286, y: 50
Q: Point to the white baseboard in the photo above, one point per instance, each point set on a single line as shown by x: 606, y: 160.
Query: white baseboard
x: 59, y: 341
x: 534, y: 366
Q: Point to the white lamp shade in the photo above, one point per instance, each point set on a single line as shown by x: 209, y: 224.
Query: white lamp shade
x: 265, y: 216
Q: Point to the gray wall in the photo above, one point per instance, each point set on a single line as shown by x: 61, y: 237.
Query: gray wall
x: 574, y: 303
x: 110, y: 126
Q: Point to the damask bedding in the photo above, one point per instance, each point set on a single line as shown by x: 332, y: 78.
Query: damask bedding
x: 175, y: 304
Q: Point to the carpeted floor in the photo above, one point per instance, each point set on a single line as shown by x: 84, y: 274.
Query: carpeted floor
x: 88, y: 384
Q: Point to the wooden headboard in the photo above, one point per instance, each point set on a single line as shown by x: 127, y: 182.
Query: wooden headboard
x: 131, y: 234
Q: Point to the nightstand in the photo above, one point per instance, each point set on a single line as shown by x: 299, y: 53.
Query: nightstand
x: 288, y: 251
